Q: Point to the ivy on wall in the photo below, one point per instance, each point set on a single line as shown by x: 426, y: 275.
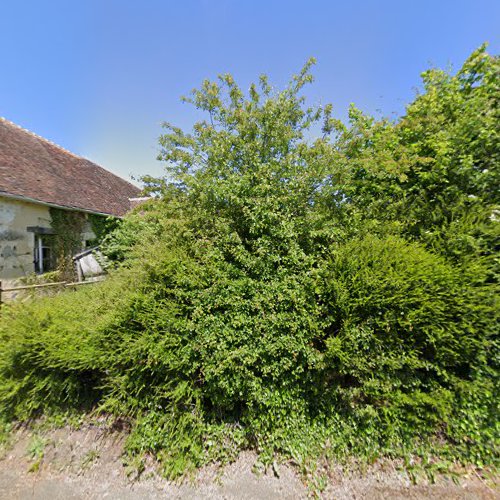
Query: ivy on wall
x: 68, y: 227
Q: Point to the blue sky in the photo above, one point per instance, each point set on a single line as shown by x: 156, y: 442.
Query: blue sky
x: 99, y: 76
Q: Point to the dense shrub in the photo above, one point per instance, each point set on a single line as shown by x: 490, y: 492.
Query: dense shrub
x: 272, y: 297
x: 410, y: 331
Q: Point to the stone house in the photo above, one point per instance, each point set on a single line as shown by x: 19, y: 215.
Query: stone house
x: 39, y: 179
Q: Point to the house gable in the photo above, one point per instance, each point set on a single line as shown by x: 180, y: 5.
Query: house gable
x: 34, y: 169
x: 36, y: 176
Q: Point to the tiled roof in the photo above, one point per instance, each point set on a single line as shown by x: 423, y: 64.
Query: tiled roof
x: 34, y: 168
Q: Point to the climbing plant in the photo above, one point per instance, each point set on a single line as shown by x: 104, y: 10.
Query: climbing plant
x: 68, y: 227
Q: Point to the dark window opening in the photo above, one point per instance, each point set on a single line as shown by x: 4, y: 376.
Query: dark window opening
x: 44, y: 255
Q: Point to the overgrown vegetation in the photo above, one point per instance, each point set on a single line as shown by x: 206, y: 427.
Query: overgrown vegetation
x: 68, y: 227
x: 308, y: 297
x: 101, y: 226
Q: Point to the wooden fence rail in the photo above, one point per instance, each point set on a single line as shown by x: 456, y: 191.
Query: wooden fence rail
x: 64, y: 284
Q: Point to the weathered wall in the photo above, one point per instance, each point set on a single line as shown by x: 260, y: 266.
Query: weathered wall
x: 16, y: 243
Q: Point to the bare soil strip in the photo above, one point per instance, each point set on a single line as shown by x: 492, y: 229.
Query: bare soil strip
x: 87, y: 464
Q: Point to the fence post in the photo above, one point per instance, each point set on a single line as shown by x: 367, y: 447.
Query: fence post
x: 0, y: 294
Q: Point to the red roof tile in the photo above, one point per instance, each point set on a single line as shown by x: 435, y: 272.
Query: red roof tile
x: 34, y: 168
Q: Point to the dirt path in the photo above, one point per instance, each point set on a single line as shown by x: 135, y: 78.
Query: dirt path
x: 87, y: 464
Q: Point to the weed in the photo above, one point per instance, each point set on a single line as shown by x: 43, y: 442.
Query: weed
x: 89, y: 459
x: 36, y: 451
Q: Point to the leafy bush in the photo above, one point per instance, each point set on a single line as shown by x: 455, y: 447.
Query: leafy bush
x: 271, y: 297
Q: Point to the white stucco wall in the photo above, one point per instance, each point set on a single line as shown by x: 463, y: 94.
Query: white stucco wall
x: 16, y: 243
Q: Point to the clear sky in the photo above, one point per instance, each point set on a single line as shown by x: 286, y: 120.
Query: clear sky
x: 99, y: 76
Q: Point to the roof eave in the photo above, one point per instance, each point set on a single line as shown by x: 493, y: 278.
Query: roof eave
x: 55, y: 205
